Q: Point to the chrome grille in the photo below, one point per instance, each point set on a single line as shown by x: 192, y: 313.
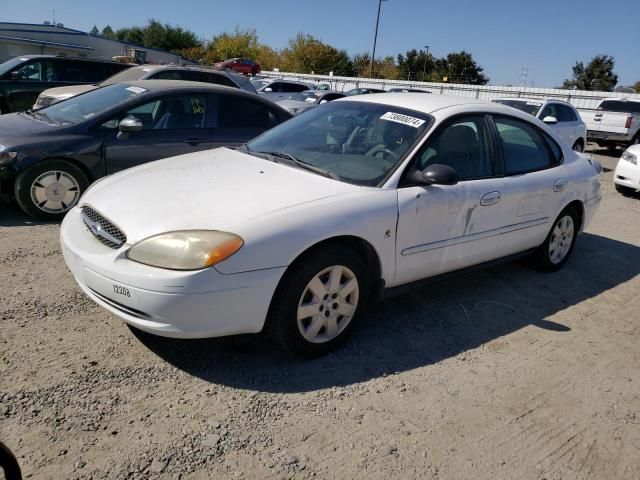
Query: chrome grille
x: 101, y: 228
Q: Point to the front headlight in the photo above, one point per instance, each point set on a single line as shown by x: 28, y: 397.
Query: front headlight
x: 630, y: 157
x: 186, y: 249
x: 6, y: 157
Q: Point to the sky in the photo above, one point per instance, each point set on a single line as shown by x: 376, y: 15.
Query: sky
x: 546, y: 36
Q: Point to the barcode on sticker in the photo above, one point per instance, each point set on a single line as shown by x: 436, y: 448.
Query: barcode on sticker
x: 403, y: 119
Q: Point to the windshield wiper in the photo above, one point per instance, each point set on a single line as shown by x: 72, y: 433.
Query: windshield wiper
x: 300, y: 163
x: 36, y: 113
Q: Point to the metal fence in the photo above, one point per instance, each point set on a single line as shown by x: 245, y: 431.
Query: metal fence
x: 581, y: 99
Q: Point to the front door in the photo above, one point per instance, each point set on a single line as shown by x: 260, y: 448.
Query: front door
x: 447, y: 227
x: 172, y: 125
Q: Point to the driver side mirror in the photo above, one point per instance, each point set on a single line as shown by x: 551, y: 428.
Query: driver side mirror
x: 550, y: 120
x: 268, y: 89
x: 127, y: 126
x: 435, y: 174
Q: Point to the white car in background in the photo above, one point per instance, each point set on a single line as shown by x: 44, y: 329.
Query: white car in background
x: 626, y: 178
x: 562, y: 118
x: 298, y: 232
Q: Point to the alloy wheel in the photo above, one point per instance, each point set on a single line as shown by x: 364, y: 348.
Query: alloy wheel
x: 561, y: 239
x: 55, y: 191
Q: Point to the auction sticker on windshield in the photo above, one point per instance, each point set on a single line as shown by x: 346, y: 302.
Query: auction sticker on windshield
x: 137, y: 89
x: 403, y: 119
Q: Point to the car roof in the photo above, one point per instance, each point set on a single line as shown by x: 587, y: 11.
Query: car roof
x: 59, y: 57
x: 159, y: 85
x: 534, y: 99
x: 292, y: 81
x: 416, y: 101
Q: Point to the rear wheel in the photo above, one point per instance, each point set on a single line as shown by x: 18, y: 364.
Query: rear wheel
x: 319, y: 302
x: 557, y: 247
x: 48, y: 190
x: 578, y: 146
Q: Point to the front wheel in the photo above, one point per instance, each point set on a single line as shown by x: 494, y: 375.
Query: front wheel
x: 49, y: 189
x: 557, y: 247
x: 319, y: 302
x: 578, y: 146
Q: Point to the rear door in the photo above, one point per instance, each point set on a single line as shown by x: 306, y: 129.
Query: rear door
x: 172, y: 125
x: 535, y: 183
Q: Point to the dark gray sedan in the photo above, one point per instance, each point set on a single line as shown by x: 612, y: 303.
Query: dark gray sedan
x: 303, y: 101
x: 50, y: 156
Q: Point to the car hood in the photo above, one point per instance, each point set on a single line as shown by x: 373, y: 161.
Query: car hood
x: 70, y: 91
x: 216, y: 189
x: 288, y: 104
x: 15, y: 127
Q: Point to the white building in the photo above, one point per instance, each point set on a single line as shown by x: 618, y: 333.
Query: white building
x: 33, y: 39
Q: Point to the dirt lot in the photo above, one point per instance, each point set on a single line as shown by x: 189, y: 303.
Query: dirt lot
x: 505, y: 373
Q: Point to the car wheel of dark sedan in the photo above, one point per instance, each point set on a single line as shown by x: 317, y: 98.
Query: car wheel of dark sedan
x: 319, y: 301
x: 48, y: 190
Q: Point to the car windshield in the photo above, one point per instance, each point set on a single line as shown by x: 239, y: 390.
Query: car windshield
x: 11, y: 64
x: 128, y: 75
x: 356, y: 142
x: 308, y: 96
x: 620, y: 106
x: 83, y: 107
x: 530, y: 107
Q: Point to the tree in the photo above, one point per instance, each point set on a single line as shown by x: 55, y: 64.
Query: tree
x: 108, y: 32
x: 636, y: 86
x: 131, y: 35
x: 308, y: 54
x: 415, y: 65
x: 240, y: 43
x: 158, y: 35
x: 460, y: 67
x: 94, y: 31
x: 597, y: 75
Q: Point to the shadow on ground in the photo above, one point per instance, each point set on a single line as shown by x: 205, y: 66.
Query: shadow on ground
x: 12, y: 216
x: 418, y: 329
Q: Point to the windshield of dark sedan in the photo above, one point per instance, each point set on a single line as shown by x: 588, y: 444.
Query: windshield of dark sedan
x: 358, y: 142
x: 11, y: 64
x: 83, y: 107
x: 532, y: 108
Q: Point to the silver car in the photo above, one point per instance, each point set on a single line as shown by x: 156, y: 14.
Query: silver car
x: 303, y: 101
x: 150, y: 72
x: 283, y: 89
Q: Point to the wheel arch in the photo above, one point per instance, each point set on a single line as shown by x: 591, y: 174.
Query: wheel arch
x: 90, y: 177
x: 579, y: 207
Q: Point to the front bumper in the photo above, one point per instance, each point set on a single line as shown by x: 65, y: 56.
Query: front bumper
x: 627, y: 174
x: 195, y: 304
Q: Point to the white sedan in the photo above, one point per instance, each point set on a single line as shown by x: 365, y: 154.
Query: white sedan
x: 562, y: 118
x: 626, y: 178
x: 300, y: 230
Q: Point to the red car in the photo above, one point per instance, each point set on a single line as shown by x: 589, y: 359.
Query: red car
x: 240, y: 65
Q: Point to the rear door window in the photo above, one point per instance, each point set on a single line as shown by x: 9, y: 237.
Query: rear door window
x: 524, y: 149
x: 236, y: 112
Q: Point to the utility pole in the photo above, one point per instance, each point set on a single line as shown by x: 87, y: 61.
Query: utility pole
x: 524, y: 73
x: 424, y: 70
x: 375, y: 39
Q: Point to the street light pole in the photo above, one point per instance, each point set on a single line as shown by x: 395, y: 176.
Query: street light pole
x: 424, y: 70
x: 375, y: 38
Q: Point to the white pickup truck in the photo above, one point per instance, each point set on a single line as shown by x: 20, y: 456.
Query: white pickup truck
x: 616, y: 121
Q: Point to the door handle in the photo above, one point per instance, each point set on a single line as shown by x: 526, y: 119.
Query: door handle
x: 194, y: 140
x: 490, y: 198
x: 560, y: 185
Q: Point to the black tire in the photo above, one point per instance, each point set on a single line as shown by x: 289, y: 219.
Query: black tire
x: 282, y: 324
x: 541, y: 260
x: 9, y: 464
x: 578, y: 146
x: 26, y: 179
x: 626, y: 191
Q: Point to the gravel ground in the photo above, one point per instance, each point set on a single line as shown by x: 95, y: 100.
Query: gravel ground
x: 505, y: 373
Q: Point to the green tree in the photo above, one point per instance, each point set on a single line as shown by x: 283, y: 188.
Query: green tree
x: 108, y: 32
x: 596, y: 75
x: 94, y: 31
x: 415, y: 65
x: 239, y: 43
x: 306, y: 54
x: 636, y: 86
x: 460, y: 67
x: 159, y: 35
x: 131, y: 35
